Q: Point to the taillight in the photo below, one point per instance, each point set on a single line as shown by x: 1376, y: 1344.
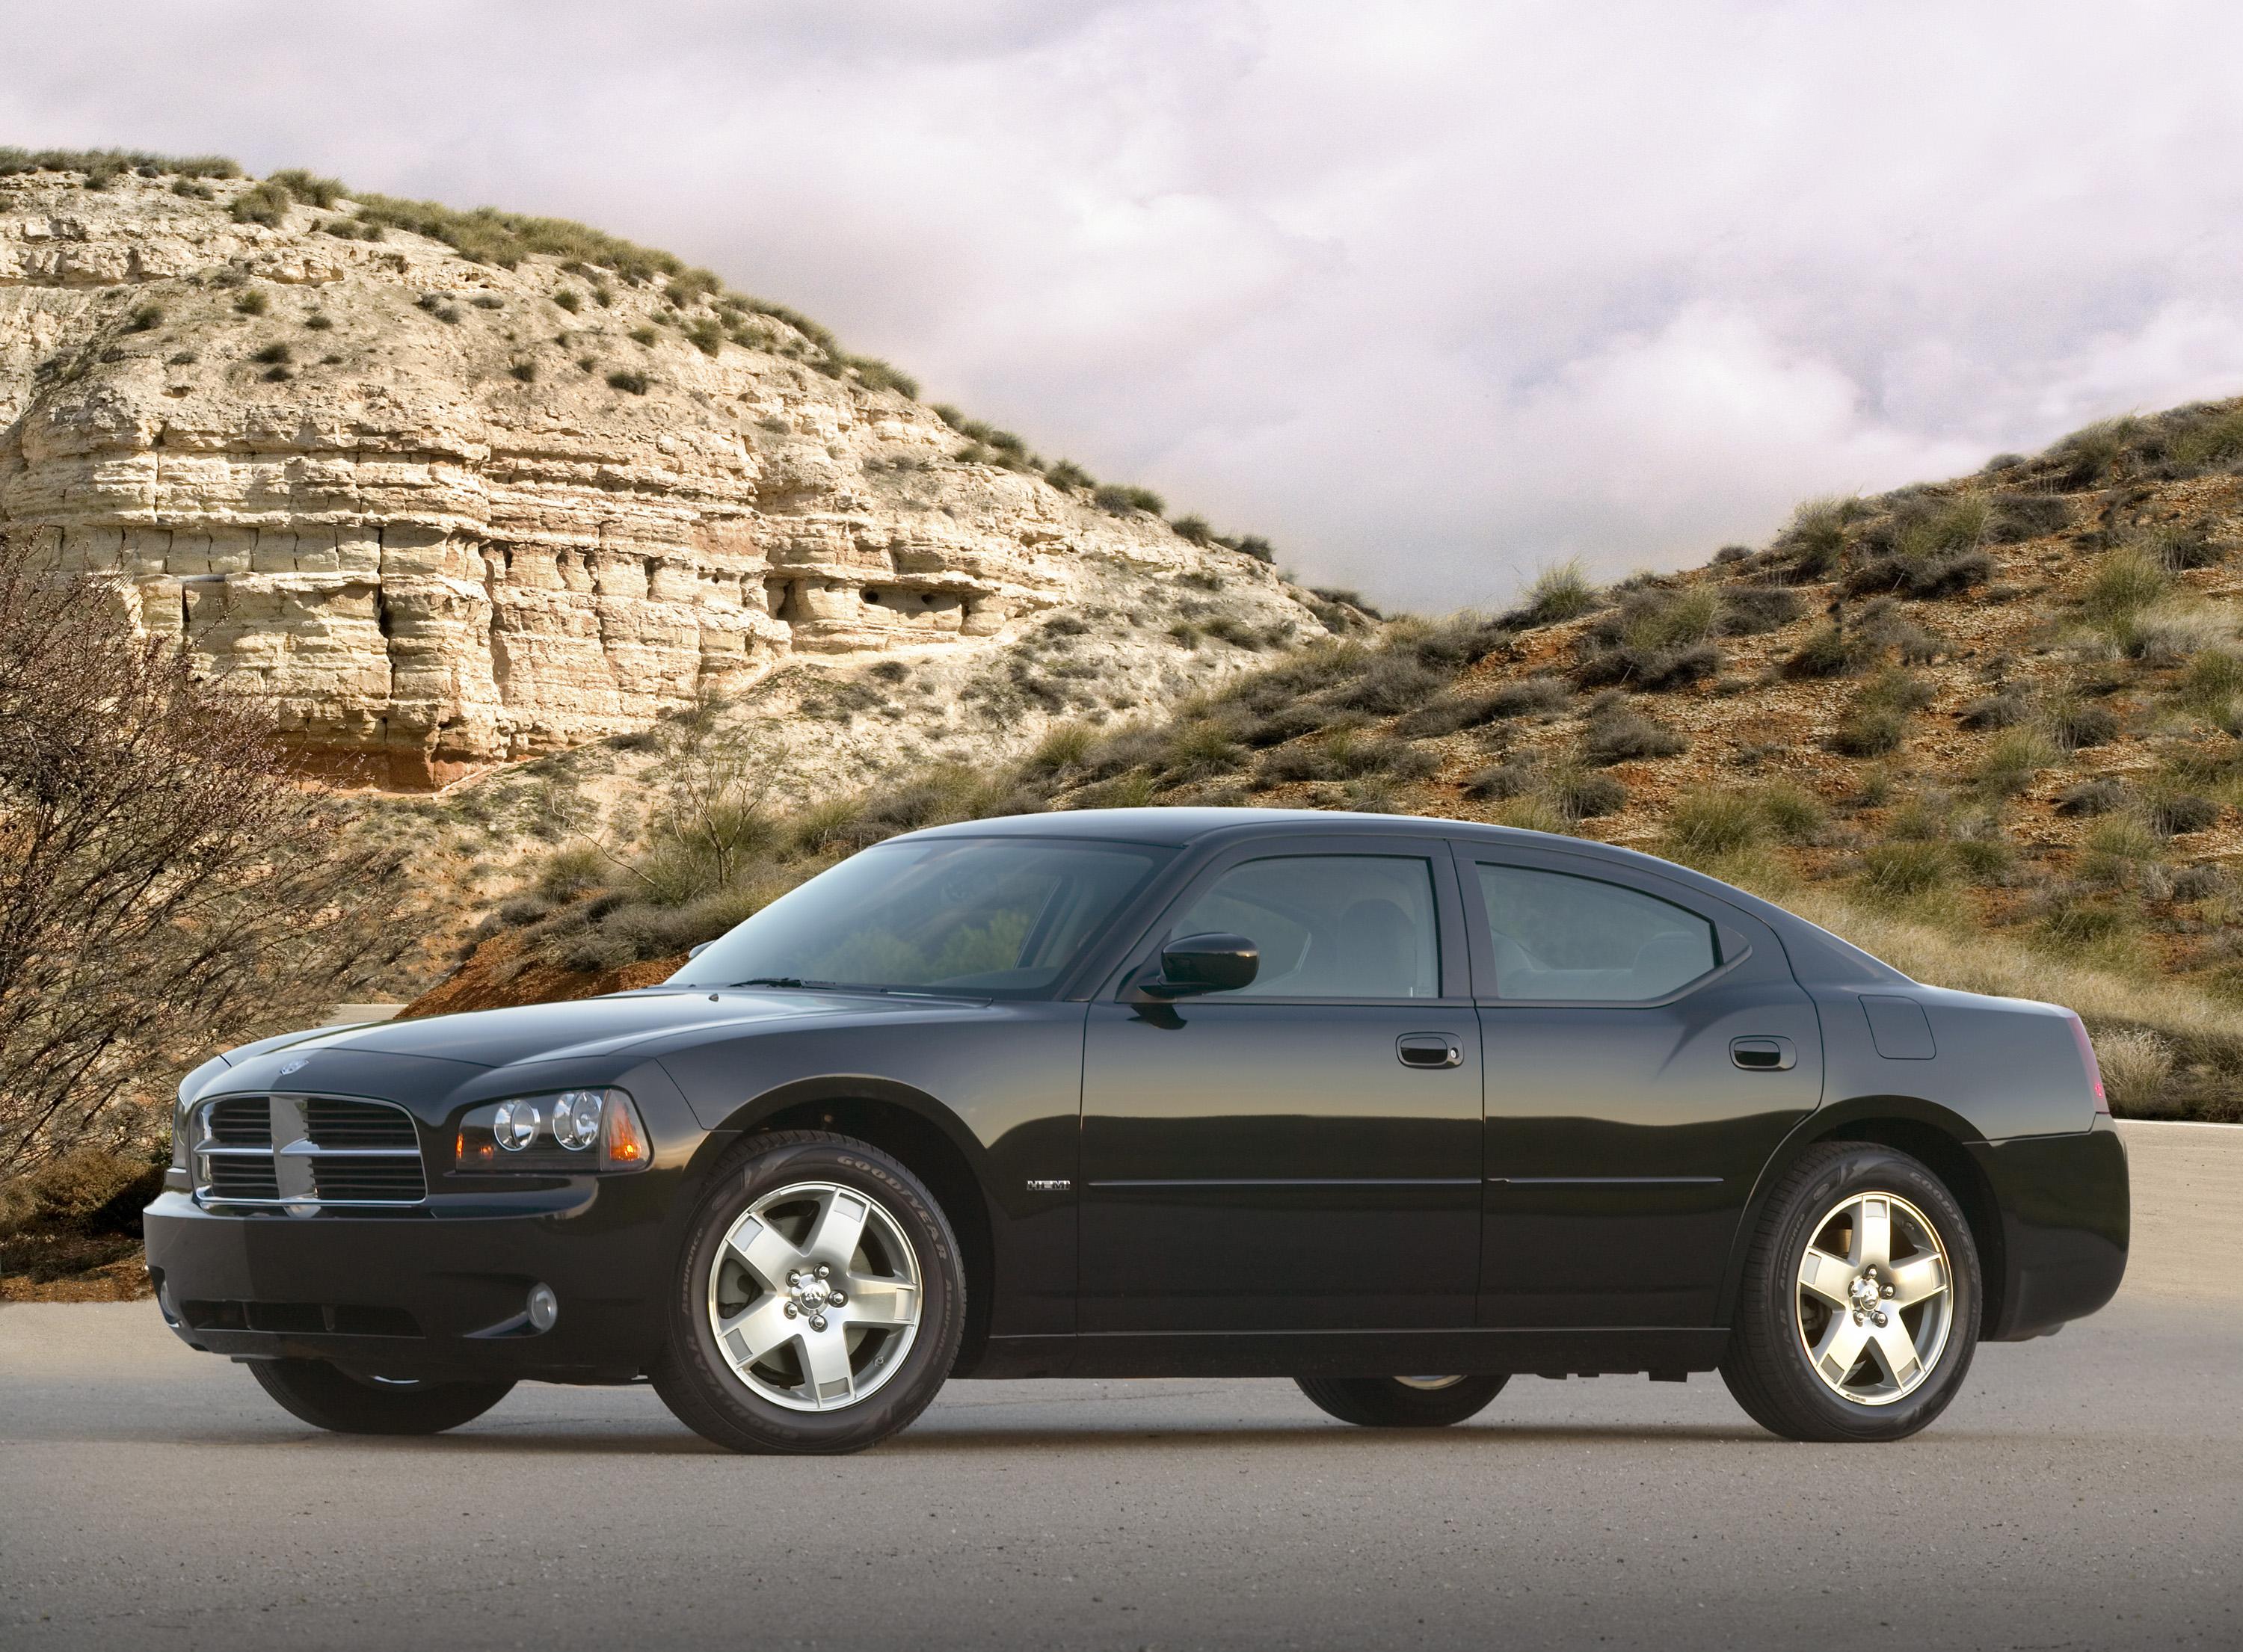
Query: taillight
x: 2087, y: 1059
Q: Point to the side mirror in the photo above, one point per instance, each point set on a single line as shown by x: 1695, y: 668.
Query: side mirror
x: 696, y: 952
x: 1195, y: 964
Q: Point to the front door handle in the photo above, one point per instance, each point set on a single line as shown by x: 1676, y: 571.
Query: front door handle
x: 1763, y: 1055
x: 1429, y: 1050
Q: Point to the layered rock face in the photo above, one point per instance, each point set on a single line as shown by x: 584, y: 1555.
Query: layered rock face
x: 447, y: 513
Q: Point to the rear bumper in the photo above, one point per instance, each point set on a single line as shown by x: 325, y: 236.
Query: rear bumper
x: 421, y: 1293
x: 2065, y: 1206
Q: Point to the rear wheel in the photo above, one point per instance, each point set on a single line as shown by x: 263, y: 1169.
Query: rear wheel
x: 1401, y: 1402
x: 1859, y: 1312
x: 820, y: 1303
x: 329, y: 1398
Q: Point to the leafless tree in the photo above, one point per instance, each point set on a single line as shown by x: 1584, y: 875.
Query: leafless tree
x: 165, y: 888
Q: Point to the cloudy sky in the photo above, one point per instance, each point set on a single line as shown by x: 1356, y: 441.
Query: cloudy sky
x: 1431, y: 294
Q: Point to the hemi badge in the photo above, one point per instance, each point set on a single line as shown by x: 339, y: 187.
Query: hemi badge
x: 1049, y: 1183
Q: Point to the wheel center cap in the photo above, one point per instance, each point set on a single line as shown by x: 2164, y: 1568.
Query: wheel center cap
x: 811, y: 1294
x: 1863, y: 1293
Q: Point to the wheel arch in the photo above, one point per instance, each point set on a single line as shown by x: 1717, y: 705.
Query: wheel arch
x: 1938, y: 1137
x: 910, y: 1126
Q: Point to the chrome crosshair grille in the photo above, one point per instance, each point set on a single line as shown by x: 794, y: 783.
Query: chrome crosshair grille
x: 307, y: 1150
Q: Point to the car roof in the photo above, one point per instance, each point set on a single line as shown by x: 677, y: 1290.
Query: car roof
x: 1822, y: 955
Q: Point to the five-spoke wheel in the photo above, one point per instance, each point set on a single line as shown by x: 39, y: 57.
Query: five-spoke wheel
x: 1858, y: 1312
x: 814, y: 1296
x: 821, y: 1301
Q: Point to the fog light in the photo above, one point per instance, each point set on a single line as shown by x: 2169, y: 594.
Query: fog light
x: 516, y: 1125
x: 544, y: 1307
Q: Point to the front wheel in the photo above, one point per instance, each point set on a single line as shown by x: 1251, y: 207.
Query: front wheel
x: 1401, y: 1402
x: 331, y: 1398
x: 820, y: 1302
x: 1859, y: 1312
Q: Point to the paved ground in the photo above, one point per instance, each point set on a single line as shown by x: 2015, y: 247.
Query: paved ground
x: 2086, y: 1492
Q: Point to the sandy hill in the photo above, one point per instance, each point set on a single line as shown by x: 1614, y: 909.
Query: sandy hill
x: 459, y: 488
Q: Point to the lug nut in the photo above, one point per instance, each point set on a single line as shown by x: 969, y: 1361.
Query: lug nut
x: 794, y: 1279
x: 823, y: 1270
x: 1888, y: 1291
x: 840, y: 1300
x: 1879, y: 1316
x: 818, y: 1323
x: 791, y: 1311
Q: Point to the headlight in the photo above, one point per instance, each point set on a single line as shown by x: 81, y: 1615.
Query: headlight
x: 574, y: 1131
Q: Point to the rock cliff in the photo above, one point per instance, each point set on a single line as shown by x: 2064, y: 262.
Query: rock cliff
x: 448, y: 511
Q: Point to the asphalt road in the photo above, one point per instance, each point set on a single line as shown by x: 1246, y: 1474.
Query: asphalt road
x: 2085, y: 1491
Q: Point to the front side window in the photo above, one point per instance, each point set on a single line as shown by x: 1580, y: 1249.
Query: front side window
x: 1581, y: 939
x: 1005, y: 916
x: 1329, y: 926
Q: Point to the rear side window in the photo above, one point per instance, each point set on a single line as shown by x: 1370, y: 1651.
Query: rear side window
x: 1556, y: 936
x: 1329, y: 926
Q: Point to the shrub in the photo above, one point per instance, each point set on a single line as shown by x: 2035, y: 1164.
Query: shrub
x: 1905, y: 866
x: 250, y: 303
x: 1504, y: 780
x: 1254, y: 546
x: 1446, y: 716
x: 567, y: 298
x: 1653, y: 670
x: 1193, y: 528
x: 872, y: 373
x: 1815, y: 544
x: 2093, y: 797
x: 2210, y: 439
x: 1828, y: 652
x: 1121, y: 500
x: 1388, y: 684
x: 2118, y: 846
x: 1870, y: 731
x: 145, y: 318
x: 2012, y: 761
x: 2091, y: 457
x: 2173, y: 813
x: 1583, y: 793
x: 2018, y: 517
x: 2125, y: 581
x: 2213, y: 679
x: 267, y: 203
x: 2003, y: 709
x: 630, y: 382
x: 1795, y: 815
x: 1200, y: 749
x: 1559, y: 592
x: 1748, y: 610
x: 2075, y: 723
x: 525, y: 371
x: 2178, y: 546
x: 273, y: 352
x: 2137, y: 1068
x: 1710, y: 823
x: 308, y: 187
x: 1617, y: 735
x: 318, y: 321
x: 1064, y: 747
x: 1531, y: 697
x: 707, y: 337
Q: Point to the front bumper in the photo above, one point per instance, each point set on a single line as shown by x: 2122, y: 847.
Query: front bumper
x: 440, y: 1292
x: 2066, y: 1216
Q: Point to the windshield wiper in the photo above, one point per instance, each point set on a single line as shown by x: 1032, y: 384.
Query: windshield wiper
x: 780, y: 981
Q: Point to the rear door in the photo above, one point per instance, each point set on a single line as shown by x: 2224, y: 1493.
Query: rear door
x: 1647, y: 1049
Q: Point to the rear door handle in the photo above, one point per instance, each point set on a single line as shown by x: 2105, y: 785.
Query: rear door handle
x: 1429, y: 1050
x: 1763, y: 1055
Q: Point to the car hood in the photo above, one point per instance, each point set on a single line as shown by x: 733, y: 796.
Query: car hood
x: 580, y: 1026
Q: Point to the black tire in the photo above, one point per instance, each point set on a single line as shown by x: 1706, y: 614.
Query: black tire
x: 699, y: 1383
x: 1767, y: 1365
x: 331, y: 1398
x: 1389, y: 1402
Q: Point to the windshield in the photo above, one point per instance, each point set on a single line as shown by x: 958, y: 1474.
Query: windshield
x: 1000, y: 916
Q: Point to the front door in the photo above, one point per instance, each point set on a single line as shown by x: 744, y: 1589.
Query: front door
x: 1647, y: 1049
x: 1303, y: 1154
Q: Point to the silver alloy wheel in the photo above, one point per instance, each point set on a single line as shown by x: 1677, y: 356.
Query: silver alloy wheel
x: 814, y: 1296
x: 1429, y: 1384
x: 1876, y: 1298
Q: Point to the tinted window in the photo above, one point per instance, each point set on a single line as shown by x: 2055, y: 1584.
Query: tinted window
x: 1329, y: 926
x: 977, y: 915
x: 1561, y: 936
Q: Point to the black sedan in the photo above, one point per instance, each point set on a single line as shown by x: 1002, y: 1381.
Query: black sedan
x: 1395, y: 1107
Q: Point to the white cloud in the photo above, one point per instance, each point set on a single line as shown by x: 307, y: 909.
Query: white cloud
x: 1429, y: 293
